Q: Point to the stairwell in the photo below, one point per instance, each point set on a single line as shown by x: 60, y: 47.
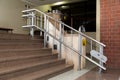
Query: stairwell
x: 24, y: 58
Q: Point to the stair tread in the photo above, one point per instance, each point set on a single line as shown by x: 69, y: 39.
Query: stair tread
x: 41, y: 73
x: 26, y: 35
x: 10, y: 54
x: 19, y: 44
x: 6, y: 58
x: 9, y: 68
x: 22, y: 58
x: 21, y: 39
x: 18, y: 36
x: 29, y: 49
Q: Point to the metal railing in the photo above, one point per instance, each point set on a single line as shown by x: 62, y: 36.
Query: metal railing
x: 39, y: 20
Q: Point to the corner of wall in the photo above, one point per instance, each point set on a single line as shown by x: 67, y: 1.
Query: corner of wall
x: 98, y: 20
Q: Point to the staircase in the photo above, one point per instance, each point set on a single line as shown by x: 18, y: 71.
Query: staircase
x: 36, y: 19
x: 24, y: 58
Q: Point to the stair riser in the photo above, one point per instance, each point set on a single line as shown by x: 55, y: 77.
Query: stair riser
x: 21, y: 41
x: 27, y: 60
x: 24, y: 52
x: 14, y: 57
x: 55, y: 73
x: 30, y: 70
x: 18, y: 36
x: 14, y: 37
x: 20, y: 46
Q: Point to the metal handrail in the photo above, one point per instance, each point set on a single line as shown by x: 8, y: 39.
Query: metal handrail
x: 71, y: 48
x: 30, y: 10
x: 59, y: 40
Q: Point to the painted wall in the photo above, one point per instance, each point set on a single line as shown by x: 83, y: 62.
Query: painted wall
x: 10, y: 15
x: 98, y: 20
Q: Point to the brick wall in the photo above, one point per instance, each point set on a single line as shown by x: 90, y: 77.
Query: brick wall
x: 110, y: 31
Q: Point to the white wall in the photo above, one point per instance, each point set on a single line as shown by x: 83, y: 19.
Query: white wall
x: 10, y: 15
x: 98, y: 20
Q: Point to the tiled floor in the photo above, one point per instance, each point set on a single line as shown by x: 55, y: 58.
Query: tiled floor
x: 72, y: 75
x: 106, y: 75
x: 89, y: 73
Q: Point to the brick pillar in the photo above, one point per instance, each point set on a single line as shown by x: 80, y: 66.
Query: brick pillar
x: 110, y: 31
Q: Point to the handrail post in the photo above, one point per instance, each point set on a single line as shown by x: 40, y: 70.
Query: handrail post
x: 41, y: 24
x: 79, y: 49
x: 45, y: 33
x: 32, y: 23
x: 60, y: 43
x: 71, y: 38
x: 91, y: 43
x: 101, y: 63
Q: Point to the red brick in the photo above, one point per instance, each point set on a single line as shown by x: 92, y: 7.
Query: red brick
x: 110, y: 31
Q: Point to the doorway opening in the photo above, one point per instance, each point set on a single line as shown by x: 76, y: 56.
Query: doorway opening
x: 79, y: 13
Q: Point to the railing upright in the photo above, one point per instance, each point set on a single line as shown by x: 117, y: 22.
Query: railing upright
x: 101, y: 63
x: 60, y: 38
x: 91, y: 46
x: 79, y: 49
x: 32, y: 23
x: 45, y: 31
x: 41, y: 23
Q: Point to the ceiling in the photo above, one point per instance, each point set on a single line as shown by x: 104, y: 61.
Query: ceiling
x: 43, y: 2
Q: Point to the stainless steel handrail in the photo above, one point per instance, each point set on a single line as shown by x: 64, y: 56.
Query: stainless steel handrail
x: 72, y: 48
x: 30, y: 10
x: 60, y: 40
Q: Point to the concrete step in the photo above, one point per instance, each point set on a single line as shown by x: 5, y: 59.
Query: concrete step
x: 6, y: 55
x: 18, y: 36
x: 5, y: 46
x: 24, y: 58
x: 7, y: 41
x: 44, y: 74
x: 16, y: 64
x: 27, y: 67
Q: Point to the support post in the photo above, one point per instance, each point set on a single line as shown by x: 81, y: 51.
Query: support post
x: 41, y: 24
x: 91, y: 43
x: 60, y: 44
x: 32, y: 23
x: 101, y: 63
x: 45, y: 33
x: 71, y: 38
x: 79, y: 49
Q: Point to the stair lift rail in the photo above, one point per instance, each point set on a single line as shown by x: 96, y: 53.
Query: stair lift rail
x: 42, y: 23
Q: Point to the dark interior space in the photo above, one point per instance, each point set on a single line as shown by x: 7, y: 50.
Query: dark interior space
x: 79, y: 13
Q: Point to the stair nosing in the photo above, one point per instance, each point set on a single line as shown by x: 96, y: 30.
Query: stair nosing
x: 25, y: 57
x: 30, y: 66
x: 64, y: 66
x: 29, y: 49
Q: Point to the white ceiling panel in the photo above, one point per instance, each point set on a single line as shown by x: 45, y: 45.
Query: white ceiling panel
x: 43, y: 2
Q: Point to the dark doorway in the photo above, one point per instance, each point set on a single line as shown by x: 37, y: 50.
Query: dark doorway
x: 79, y: 13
